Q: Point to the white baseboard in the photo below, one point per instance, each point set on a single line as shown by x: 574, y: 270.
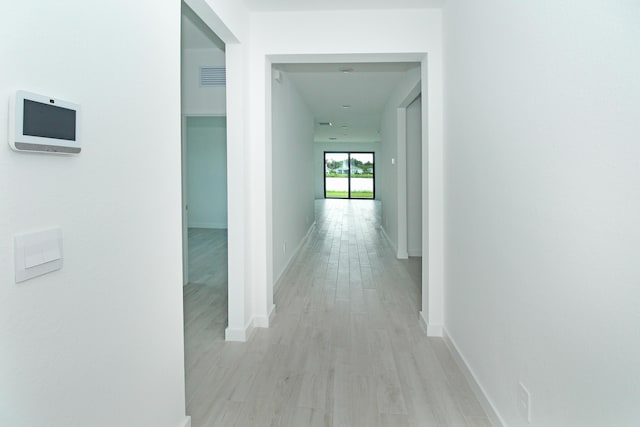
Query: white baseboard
x: 240, y: 334
x: 431, y: 329
x: 216, y: 225
x: 434, y: 330
x: 187, y: 421
x: 265, y: 321
x: 481, y: 395
x: 244, y: 334
x: 399, y: 254
x: 236, y: 334
x: 386, y: 236
x: 276, y: 282
x: 272, y: 313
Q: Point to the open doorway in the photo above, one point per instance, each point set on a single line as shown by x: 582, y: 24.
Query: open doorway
x: 335, y: 132
x: 206, y: 183
x: 204, y: 193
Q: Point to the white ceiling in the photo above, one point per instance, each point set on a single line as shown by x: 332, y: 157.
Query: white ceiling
x: 299, y: 5
x: 325, y: 89
x: 195, y: 33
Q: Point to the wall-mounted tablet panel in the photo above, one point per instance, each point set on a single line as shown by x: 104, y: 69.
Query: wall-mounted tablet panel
x: 43, y: 124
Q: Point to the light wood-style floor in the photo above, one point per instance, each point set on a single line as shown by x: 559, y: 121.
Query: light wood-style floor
x: 345, y: 348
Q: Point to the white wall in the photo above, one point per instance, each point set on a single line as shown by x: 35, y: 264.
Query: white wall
x: 229, y: 20
x: 99, y: 342
x: 404, y: 35
x: 201, y: 100
x: 293, y: 201
x: 542, y: 206
x: 318, y: 161
x: 414, y: 178
x: 390, y: 193
x: 207, y: 171
x: 388, y: 171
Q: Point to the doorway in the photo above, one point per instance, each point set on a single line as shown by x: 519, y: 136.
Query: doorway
x: 349, y: 175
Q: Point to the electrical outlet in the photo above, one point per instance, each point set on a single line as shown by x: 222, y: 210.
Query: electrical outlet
x: 524, y: 402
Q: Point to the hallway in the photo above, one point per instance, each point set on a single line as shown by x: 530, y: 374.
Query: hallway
x: 345, y: 348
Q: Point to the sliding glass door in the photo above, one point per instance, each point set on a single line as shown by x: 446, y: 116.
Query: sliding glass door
x: 349, y: 175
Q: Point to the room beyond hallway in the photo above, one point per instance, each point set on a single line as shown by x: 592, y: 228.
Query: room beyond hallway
x: 345, y: 348
x: 208, y: 256
x: 205, y: 296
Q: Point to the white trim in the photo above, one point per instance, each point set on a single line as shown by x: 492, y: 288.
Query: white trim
x: 187, y: 421
x: 216, y: 225
x: 240, y: 335
x: 478, y: 390
x: 276, y: 282
x: 434, y: 330
x: 399, y: 254
x: 243, y: 335
x: 386, y: 236
x: 265, y: 321
x: 401, y: 182
x: 432, y: 193
x: 213, y: 21
x: 272, y: 313
x: 415, y: 253
x: 184, y: 197
x: 431, y: 329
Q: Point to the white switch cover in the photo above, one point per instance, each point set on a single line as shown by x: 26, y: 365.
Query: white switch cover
x: 37, y: 253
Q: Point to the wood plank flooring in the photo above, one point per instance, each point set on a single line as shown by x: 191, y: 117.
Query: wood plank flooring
x: 345, y: 348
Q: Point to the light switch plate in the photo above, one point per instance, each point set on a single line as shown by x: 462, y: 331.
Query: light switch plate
x: 37, y: 253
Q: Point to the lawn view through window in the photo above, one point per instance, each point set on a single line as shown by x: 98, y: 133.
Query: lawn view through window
x: 348, y: 175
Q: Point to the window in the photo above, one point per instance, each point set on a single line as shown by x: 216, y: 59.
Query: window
x: 349, y: 175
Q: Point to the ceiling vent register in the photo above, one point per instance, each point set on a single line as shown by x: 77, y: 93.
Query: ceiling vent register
x: 213, y: 76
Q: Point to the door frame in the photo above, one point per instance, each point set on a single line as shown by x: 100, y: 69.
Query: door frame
x: 431, y: 77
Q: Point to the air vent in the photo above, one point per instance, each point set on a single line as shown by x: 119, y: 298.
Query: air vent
x: 213, y: 76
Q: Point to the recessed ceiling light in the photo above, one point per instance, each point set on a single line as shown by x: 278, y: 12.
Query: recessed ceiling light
x: 325, y: 124
x: 346, y: 70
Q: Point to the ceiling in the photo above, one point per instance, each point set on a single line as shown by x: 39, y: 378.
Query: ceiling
x: 326, y: 88
x: 299, y: 5
x: 363, y: 87
x: 195, y: 33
